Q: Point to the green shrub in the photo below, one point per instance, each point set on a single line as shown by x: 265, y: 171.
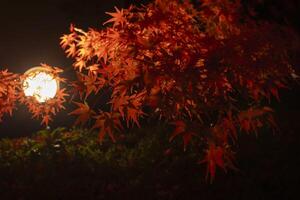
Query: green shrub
x: 62, y: 164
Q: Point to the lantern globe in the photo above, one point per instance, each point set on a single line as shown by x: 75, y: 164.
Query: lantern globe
x: 40, y: 83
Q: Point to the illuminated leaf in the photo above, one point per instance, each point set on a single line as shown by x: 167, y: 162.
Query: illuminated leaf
x: 108, y: 123
x: 117, y: 17
x: 83, y: 111
x: 71, y: 50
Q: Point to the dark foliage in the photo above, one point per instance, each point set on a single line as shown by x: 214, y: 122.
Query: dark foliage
x: 64, y: 164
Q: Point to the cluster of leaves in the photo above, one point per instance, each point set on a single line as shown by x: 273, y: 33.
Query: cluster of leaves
x: 8, y: 92
x: 207, y: 70
x: 11, y: 92
x: 46, y: 110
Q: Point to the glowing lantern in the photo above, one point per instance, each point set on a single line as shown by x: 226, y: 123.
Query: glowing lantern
x: 40, y: 83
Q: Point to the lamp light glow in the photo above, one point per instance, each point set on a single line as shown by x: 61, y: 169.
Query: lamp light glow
x: 40, y: 84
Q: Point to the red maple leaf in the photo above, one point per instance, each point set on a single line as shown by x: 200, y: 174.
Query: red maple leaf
x: 83, y: 111
x: 108, y: 123
x: 117, y: 17
x: 217, y: 156
x: 181, y: 129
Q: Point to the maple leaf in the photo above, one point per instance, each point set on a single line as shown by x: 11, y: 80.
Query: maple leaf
x: 46, y: 119
x: 67, y: 40
x: 108, y: 123
x: 84, y: 52
x: 250, y: 119
x: 228, y: 127
x: 120, y: 103
x: 86, y: 84
x: 61, y: 94
x: 117, y: 17
x: 9, y: 89
x: 71, y: 51
x: 214, y: 157
x: 181, y: 129
x: 80, y: 64
x: 84, y: 113
x: 102, y: 52
x: 93, y: 69
x: 133, y: 114
x: 217, y: 156
x: 134, y: 109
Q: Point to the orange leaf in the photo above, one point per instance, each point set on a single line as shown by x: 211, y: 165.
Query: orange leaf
x: 84, y: 113
x: 46, y: 120
x: 71, y: 51
x: 108, y: 123
x: 181, y: 129
x: 117, y: 17
x: 214, y: 157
